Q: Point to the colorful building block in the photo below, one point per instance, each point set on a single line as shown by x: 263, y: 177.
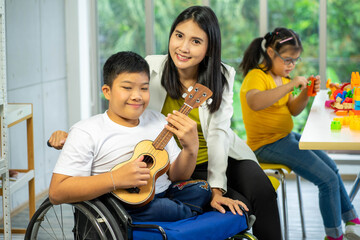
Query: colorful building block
x: 311, y: 83
x: 335, y: 125
x: 355, y: 79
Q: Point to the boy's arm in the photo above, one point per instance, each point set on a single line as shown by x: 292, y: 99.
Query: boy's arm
x: 186, y: 131
x: 66, y: 189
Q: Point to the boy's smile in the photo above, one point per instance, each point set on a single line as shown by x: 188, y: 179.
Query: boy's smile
x: 128, y: 98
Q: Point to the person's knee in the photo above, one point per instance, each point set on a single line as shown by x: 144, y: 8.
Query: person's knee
x: 202, y: 191
x: 265, y: 192
x: 330, y: 181
x: 197, y: 192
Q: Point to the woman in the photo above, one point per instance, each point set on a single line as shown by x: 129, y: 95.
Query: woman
x: 229, y: 165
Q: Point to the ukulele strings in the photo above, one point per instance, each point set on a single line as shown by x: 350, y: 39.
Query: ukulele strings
x: 164, y: 137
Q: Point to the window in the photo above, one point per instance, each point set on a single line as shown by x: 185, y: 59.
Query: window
x: 121, y: 27
x: 303, y: 17
x: 165, y: 13
x: 239, y: 24
x: 343, y: 36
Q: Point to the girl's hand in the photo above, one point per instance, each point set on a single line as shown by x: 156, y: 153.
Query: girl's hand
x: 317, y: 83
x: 300, y: 82
x: 185, y: 129
x: 218, y: 201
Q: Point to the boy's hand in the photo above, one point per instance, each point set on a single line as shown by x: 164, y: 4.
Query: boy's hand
x: 185, y: 129
x: 132, y: 174
x: 57, y: 139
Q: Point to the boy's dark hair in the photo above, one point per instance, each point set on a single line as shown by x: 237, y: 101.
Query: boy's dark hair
x: 277, y: 40
x: 122, y: 62
x: 210, y: 69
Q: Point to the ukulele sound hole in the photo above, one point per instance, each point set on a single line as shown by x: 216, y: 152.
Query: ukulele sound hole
x: 149, y: 161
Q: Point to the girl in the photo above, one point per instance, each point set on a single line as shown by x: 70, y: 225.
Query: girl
x: 229, y: 165
x: 268, y: 107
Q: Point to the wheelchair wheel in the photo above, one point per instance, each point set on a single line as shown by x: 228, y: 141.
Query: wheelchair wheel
x: 83, y: 220
x: 242, y: 236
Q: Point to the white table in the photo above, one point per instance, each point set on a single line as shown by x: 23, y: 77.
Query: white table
x: 317, y: 134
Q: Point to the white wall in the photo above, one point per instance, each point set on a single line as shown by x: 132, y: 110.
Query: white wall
x: 37, y: 74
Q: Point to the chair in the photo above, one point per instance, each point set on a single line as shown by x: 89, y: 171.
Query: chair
x: 355, y: 188
x: 279, y: 170
x: 105, y: 218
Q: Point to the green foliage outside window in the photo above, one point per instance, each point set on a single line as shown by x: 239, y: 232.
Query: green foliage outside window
x: 122, y: 27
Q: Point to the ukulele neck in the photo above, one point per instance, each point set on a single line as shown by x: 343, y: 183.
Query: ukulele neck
x: 165, y: 135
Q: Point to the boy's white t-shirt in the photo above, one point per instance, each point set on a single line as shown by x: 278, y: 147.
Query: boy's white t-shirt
x: 97, y: 144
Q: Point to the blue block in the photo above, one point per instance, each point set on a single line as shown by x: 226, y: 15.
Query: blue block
x: 357, y: 105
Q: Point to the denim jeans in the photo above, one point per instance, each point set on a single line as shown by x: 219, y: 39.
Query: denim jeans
x: 181, y: 200
x: 318, y: 168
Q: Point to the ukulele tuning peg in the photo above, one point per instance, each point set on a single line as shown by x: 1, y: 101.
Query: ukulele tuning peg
x: 207, y: 102
x: 190, y: 88
x: 184, y: 95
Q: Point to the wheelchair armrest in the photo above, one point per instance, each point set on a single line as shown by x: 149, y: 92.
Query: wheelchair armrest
x: 250, y: 219
x: 114, y: 204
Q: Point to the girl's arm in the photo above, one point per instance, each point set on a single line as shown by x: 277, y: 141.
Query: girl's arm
x: 297, y: 104
x: 186, y: 131
x: 259, y: 100
x: 67, y: 189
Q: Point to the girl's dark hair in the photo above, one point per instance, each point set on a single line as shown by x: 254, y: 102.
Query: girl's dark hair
x: 277, y: 40
x: 211, y: 70
x: 122, y: 62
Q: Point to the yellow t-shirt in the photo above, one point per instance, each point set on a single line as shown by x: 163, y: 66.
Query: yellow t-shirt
x: 270, y: 124
x: 175, y: 104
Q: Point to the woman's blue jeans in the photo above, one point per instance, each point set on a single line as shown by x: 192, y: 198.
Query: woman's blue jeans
x: 181, y: 200
x: 318, y: 168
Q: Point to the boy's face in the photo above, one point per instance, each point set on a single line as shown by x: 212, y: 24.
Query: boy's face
x: 128, y: 98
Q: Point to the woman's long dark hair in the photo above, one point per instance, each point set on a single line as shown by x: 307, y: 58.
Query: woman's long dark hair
x: 277, y: 39
x: 210, y: 68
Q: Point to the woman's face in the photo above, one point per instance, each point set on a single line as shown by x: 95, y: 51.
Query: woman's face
x: 188, y: 45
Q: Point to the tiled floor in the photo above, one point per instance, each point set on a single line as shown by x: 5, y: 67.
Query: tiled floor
x: 313, y: 221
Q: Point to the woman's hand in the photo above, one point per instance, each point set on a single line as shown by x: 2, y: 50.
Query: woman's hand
x: 57, y: 139
x: 218, y: 201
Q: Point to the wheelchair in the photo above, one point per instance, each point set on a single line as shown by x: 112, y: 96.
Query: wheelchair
x: 105, y: 218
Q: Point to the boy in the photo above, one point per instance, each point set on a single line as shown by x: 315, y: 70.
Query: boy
x: 94, y: 146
